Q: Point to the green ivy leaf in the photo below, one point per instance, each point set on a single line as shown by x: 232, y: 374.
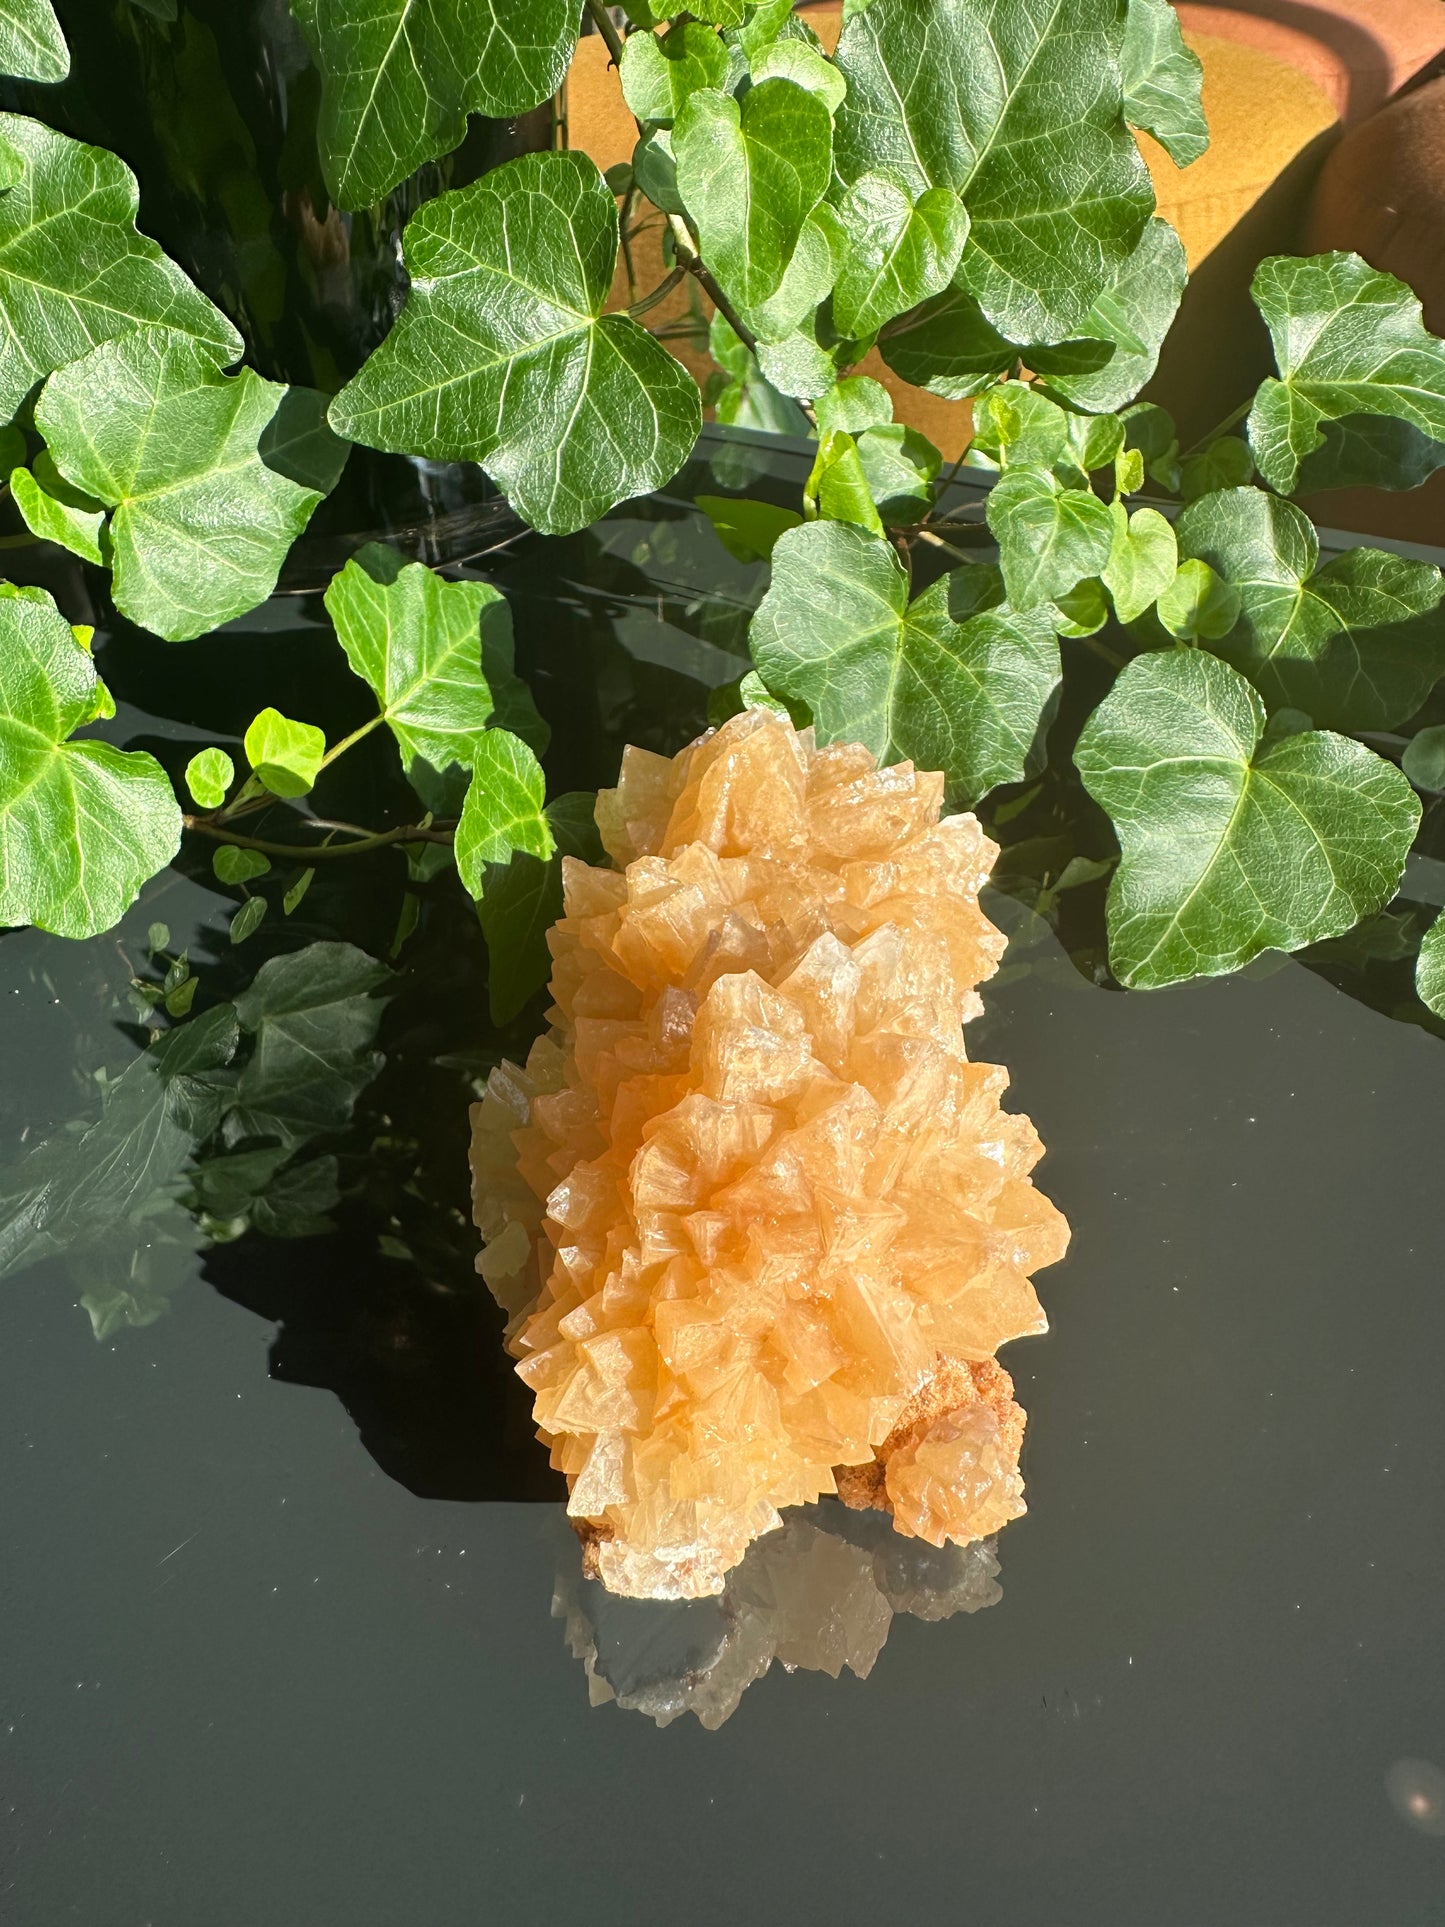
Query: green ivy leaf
x: 1430, y: 968
x: 750, y: 174
x: 82, y: 825
x: 1350, y: 345
x: 659, y: 72
x: 1016, y: 425
x: 1198, y: 605
x: 1225, y: 463
x: 900, y: 467
x: 747, y: 530
x: 1163, y: 80
x: 58, y: 298
x: 209, y: 775
x: 1130, y: 319
x: 853, y: 404
x: 938, y: 680
x: 1095, y: 441
x: 285, y: 756
x: 502, y: 354
x: 1424, y: 758
x: 32, y: 47
x: 903, y: 249
x: 1357, y: 644
x: 519, y: 905
x: 314, y: 1014
x: 805, y: 66
x: 56, y: 512
x: 1017, y: 109
x: 946, y: 346
x: 503, y: 811
x: 717, y: 13
x: 1142, y: 561
x: 655, y: 170
x: 197, y: 467
x: 232, y: 864
x: 248, y: 919
x: 399, y: 77
x: 1049, y: 537
x: 808, y: 277
x: 416, y: 639
x: 1232, y: 844
x: 837, y: 488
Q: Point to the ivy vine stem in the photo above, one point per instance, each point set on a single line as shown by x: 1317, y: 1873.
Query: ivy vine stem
x: 312, y: 852
x: 1220, y: 428
x: 603, y: 22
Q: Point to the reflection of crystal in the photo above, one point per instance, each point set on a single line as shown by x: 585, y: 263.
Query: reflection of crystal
x: 758, y: 1224
x: 819, y: 1593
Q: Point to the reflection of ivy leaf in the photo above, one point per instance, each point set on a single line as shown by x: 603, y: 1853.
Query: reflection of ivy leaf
x: 314, y: 1014
x: 82, y: 824
x: 1232, y: 844
x: 520, y: 904
x: 1430, y: 970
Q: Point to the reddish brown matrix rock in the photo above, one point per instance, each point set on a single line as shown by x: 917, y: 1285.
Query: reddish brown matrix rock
x: 758, y: 1222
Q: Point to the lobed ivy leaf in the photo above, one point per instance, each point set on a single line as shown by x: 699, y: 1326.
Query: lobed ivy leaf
x: 1142, y: 560
x: 903, y: 248
x: 519, y: 905
x: 1232, y: 843
x: 1356, y: 645
x: 194, y: 465
x: 56, y: 512
x: 503, y: 356
x: 82, y: 825
x: 417, y: 640
x: 314, y: 1014
x: 504, y: 809
x: 73, y: 269
x: 750, y: 173
x: 658, y: 72
x: 853, y: 404
x: 1225, y: 463
x: 1351, y: 346
x: 285, y: 756
x: 1129, y: 319
x: 399, y: 77
x: 1050, y: 538
x: 1017, y: 107
x: 1430, y: 968
x: 1163, y: 81
x: 941, y: 680
x: 900, y: 466
x: 1016, y: 425
x: 231, y: 864
x: 837, y: 487
x: 32, y: 47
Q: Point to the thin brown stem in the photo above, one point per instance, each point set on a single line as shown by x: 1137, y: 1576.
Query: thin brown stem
x: 1222, y: 428
x: 313, y: 852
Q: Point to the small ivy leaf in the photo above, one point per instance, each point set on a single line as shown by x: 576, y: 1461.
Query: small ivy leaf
x: 1350, y: 344
x: 32, y: 47
x: 59, y: 514
x: 209, y: 775
x: 807, y: 279
x: 178, y: 1001
x: 1424, y: 758
x: 292, y: 899
x: 1198, y: 605
x: 1084, y: 610
x: 82, y: 825
x: 158, y: 937
x: 1226, y: 463
x: 519, y: 905
x: 946, y: 346
x: 503, y: 810
x: 659, y: 72
x: 750, y: 174
x: 655, y: 171
x: 1022, y: 119
x: 837, y: 488
x: 620, y: 178
x: 750, y: 401
x: 900, y: 467
x: 1142, y: 562
x: 1151, y: 430
x: 1049, y: 538
x: 903, y: 249
x: 1163, y: 81
x: 248, y: 919
x: 1130, y: 319
x: 1017, y: 426
x: 1128, y: 471
x: 285, y: 756
x: 202, y: 519
x: 764, y: 23
x: 801, y: 366
x: 805, y: 66
x: 232, y: 864
x: 1357, y: 644
x: 1232, y: 847
x: 747, y: 530
x: 399, y: 77
x: 853, y: 404
x: 940, y: 681
x: 1095, y: 441
x: 58, y: 302
x: 417, y: 641
x: 1430, y: 968
x: 503, y: 356
x: 406, y: 923
x: 719, y: 13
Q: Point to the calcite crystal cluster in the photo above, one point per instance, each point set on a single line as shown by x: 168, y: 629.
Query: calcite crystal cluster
x: 759, y: 1224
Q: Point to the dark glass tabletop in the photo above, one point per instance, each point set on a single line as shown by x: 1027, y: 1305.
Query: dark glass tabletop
x: 294, y: 1628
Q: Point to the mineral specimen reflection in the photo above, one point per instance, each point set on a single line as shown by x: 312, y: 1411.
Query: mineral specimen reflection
x: 758, y: 1223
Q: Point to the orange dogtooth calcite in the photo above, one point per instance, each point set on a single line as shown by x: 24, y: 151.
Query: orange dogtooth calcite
x: 758, y: 1223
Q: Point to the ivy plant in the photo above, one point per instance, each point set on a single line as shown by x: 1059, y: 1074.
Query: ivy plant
x: 957, y: 187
